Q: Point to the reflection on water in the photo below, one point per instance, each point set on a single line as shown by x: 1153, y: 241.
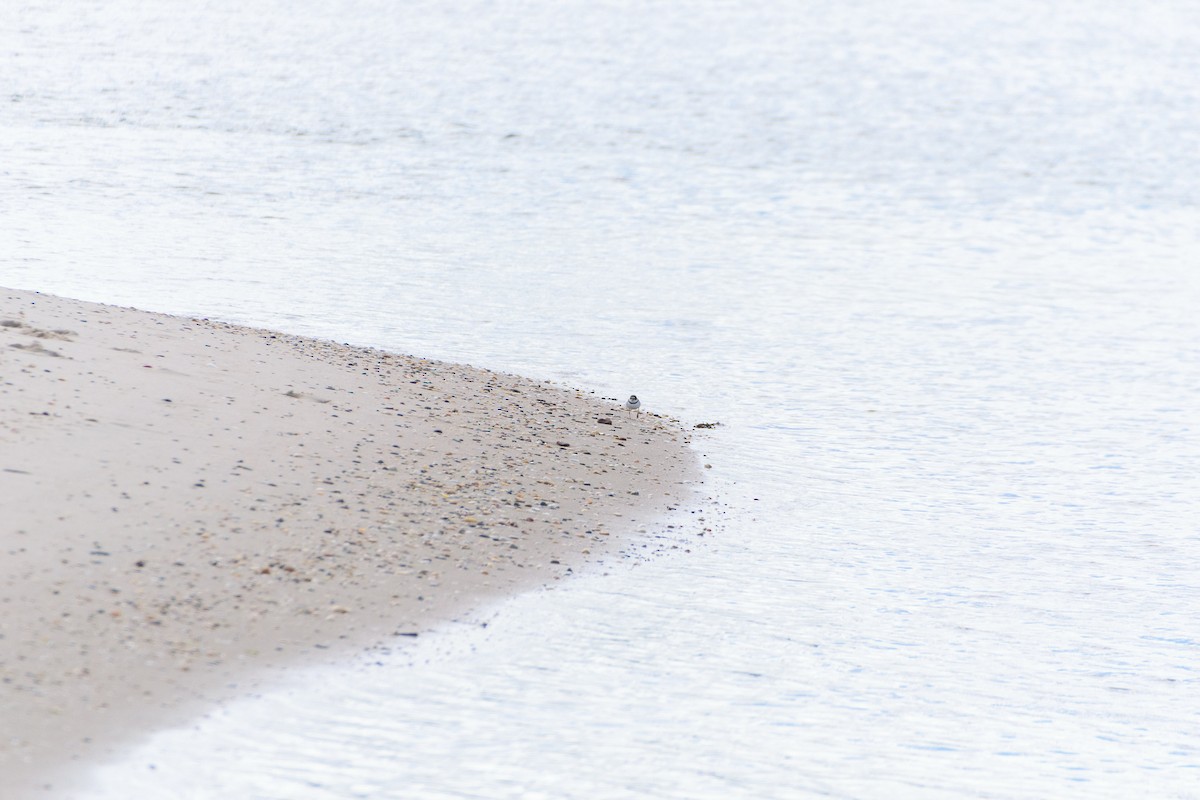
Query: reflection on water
x: 931, y: 266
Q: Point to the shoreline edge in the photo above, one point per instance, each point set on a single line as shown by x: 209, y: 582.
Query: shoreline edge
x: 189, y: 507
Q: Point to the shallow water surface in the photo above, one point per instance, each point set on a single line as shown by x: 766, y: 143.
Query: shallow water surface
x: 931, y: 267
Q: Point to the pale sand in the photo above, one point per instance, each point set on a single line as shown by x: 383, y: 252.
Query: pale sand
x: 188, y: 507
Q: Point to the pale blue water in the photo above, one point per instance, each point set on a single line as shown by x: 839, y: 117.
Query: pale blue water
x: 934, y: 268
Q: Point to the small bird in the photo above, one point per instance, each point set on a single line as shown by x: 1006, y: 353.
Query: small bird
x: 633, y: 404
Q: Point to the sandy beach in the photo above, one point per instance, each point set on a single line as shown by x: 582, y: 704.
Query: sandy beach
x: 188, y: 507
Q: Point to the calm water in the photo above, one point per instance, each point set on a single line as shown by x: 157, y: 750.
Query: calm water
x: 934, y: 268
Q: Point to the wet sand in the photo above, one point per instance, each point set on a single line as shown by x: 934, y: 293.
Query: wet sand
x: 188, y: 507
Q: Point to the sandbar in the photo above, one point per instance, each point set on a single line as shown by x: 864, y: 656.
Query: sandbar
x: 189, y: 507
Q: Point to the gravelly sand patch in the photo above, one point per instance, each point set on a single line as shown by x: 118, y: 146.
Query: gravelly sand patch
x: 188, y: 506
